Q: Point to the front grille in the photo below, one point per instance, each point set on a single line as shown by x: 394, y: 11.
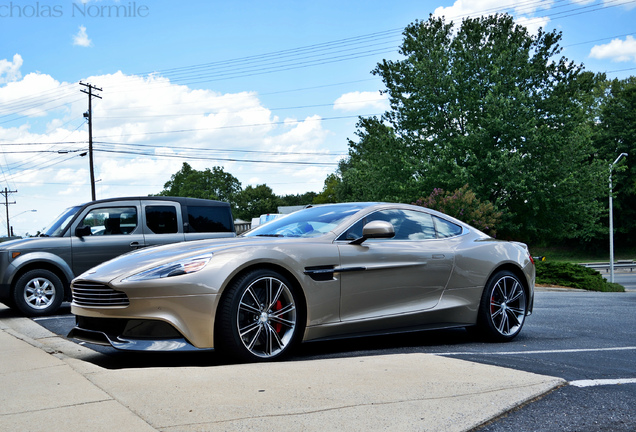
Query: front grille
x: 96, y: 294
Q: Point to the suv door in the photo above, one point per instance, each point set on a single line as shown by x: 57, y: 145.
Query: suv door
x: 115, y: 230
x: 163, y: 222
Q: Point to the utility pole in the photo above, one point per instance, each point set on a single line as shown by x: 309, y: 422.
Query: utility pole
x: 89, y: 116
x: 6, y: 193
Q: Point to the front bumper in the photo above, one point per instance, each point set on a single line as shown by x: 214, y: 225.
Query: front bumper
x: 130, y: 320
x: 130, y: 334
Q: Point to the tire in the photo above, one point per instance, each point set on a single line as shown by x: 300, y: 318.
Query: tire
x: 260, y: 318
x: 38, y: 292
x: 503, y: 308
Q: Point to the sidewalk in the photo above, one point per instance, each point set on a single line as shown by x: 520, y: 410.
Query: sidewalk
x: 46, y: 386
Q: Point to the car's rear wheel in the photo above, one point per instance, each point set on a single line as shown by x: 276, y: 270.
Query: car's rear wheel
x: 503, y: 307
x: 38, y: 292
x: 260, y: 317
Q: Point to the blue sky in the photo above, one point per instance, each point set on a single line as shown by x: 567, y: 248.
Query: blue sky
x: 270, y: 91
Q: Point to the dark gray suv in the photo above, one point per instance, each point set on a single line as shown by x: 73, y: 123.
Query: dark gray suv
x: 35, y: 273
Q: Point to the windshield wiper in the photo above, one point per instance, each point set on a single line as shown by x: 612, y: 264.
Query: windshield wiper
x: 269, y: 235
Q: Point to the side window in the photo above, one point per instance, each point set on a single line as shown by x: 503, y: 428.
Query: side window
x: 415, y: 226
x: 408, y: 225
x: 209, y: 219
x: 111, y: 220
x: 162, y: 219
x: 446, y: 228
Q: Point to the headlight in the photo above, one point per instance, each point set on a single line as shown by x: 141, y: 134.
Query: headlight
x: 177, y: 268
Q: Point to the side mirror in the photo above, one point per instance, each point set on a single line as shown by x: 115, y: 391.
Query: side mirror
x: 83, y: 231
x: 375, y: 230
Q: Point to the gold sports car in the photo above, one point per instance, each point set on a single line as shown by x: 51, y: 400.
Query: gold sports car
x: 328, y: 271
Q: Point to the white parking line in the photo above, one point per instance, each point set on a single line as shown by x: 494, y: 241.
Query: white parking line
x: 580, y: 350
x: 601, y: 382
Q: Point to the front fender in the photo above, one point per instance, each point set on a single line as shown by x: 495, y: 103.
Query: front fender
x: 37, y: 260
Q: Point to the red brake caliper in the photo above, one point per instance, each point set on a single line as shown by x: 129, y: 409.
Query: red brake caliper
x: 278, y: 326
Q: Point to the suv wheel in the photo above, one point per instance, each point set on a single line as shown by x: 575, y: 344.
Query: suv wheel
x: 38, y: 292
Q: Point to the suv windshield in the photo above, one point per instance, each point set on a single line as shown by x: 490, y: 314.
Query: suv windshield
x: 57, y: 227
x: 311, y: 222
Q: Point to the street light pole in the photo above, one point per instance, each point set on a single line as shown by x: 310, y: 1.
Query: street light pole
x: 10, y: 228
x: 611, y: 218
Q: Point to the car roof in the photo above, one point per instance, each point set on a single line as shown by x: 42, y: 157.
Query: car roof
x: 181, y: 200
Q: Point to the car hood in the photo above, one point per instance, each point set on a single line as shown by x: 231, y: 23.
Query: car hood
x: 29, y: 242
x: 147, y: 258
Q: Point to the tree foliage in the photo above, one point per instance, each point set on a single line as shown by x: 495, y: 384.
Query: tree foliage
x: 464, y: 205
x: 486, y: 105
x: 616, y: 134
x: 254, y: 201
x: 215, y: 184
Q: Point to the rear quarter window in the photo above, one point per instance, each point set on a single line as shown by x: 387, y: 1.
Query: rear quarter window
x: 446, y: 229
x: 209, y: 219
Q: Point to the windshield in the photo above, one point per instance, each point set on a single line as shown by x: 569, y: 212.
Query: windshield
x: 60, y: 223
x: 311, y: 222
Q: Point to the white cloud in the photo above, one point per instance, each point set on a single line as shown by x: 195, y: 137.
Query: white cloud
x: 10, y: 70
x: 628, y: 4
x: 524, y: 12
x: 81, y: 38
x: 356, y: 101
x: 617, y: 50
x: 167, y: 123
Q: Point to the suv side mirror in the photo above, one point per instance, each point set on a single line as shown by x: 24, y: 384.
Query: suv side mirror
x: 83, y: 231
x: 375, y: 229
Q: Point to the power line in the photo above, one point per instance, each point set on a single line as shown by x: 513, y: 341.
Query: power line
x: 283, y: 122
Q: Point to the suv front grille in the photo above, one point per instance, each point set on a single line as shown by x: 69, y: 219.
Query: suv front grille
x: 95, y: 294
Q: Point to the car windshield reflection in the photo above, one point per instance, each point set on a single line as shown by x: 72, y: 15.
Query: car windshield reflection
x: 311, y: 222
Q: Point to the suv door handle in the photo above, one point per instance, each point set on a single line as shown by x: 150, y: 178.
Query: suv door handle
x: 135, y: 244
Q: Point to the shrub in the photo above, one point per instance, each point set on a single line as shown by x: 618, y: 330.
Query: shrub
x: 464, y: 205
x: 574, y: 276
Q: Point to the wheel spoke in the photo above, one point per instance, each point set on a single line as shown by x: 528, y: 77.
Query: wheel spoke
x: 252, y: 343
x: 273, y: 336
x: 515, y: 316
x: 253, y: 295
x: 503, y: 323
x: 249, y: 308
x: 275, y: 298
x: 517, y: 292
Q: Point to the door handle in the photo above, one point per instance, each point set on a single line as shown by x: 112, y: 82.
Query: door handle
x: 439, y: 256
x: 135, y: 245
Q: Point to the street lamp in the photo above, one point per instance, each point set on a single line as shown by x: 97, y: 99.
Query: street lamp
x: 611, y: 218
x: 8, y: 225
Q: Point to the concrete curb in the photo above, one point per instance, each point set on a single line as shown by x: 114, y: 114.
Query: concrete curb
x: 45, y: 385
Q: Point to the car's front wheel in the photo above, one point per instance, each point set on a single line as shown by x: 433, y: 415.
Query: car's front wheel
x: 38, y: 292
x: 503, y: 307
x: 260, y: 317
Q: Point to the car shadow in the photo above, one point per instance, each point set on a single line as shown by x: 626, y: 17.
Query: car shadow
x: 110, y: 358
x: 402, y: 343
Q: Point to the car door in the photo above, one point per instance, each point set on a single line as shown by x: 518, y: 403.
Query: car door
x: 401, y: 275
x: 115, y: 230
x: 163, y: 222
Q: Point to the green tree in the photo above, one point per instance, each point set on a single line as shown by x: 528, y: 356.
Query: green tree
x: 298, y: 199
x: 254, y: 201
x: 329, y: 191
x: 616, y: 134
x: 215, y: 184
x: 485, y: 105
x: 380, y: 166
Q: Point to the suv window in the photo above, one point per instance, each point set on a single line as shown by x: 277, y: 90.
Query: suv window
x: 209, y: 219
x: 162, y: 219
x: 111, y: 220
